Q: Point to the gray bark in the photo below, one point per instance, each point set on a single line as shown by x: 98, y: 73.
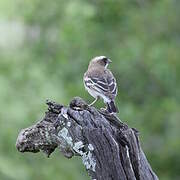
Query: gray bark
x: 109, y: 149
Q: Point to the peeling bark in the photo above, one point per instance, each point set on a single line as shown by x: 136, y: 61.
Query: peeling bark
x: 109, y: 149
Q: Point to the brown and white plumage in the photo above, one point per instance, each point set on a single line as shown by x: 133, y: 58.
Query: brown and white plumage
x: 100, y: 82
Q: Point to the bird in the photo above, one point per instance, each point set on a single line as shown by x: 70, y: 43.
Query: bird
x: 101, y: 83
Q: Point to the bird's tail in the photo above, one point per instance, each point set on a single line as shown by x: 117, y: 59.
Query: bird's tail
x: 111, y: 107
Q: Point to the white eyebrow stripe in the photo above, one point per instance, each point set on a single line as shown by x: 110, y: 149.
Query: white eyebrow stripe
x: 99, y: 57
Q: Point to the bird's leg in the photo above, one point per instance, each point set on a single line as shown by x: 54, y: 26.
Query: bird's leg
x: 94, y: 101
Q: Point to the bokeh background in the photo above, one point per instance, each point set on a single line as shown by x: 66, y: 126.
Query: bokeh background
x: 45, y: 47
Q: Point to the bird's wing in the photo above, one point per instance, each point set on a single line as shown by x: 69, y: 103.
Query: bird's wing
x: 112, y: 85
x: 105, y: 85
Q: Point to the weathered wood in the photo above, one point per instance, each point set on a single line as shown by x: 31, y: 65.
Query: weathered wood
x: 109, y: 149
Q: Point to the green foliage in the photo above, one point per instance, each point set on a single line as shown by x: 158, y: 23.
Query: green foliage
x: 45, y: 49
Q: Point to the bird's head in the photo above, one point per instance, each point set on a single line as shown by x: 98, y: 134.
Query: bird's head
x: 101, y: 61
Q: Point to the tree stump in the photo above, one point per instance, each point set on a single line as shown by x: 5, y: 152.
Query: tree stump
x: 109, y: 149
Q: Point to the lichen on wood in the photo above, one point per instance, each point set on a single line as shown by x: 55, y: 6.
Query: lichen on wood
x: 109, y: 149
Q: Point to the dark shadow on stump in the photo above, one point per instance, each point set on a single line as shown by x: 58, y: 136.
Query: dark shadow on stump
x: 109, y: 149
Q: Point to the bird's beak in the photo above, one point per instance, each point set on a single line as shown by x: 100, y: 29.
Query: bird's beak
x: 109, y: 61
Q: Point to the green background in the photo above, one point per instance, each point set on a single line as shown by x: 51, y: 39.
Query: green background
x: 45, y: 48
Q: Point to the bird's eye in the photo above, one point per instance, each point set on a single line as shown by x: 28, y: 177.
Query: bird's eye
x: 105, y: 59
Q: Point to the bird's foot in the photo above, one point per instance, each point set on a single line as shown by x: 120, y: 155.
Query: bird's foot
x: 104, y: 110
